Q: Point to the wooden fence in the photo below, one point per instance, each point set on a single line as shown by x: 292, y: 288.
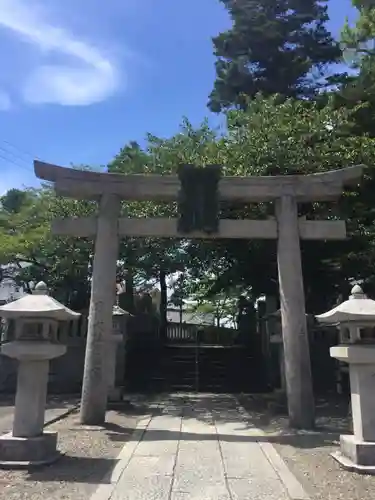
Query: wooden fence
x: 177, y: 333
x: 212, y: 335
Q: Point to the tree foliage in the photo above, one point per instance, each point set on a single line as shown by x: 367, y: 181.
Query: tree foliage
x: 270, y: 137
x: 359, y: 53
x: 274, y: 47
x: 26, y: 238
x: 360, y: 37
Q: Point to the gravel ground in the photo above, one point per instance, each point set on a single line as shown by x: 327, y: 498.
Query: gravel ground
x: 58, y: 401
x: 307, y: 454
x: 90, y: 453
x: 55, y: 408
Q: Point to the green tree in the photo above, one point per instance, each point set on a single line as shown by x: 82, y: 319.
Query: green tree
x: 273, y: 47
x: 25, y: 237
x: 360, y: 37
x: 273, y: 137
x: 298, y: 137
x: 13, y: 201
x: 221, y: 306
x: 359, y: 54
x: 357, y: 93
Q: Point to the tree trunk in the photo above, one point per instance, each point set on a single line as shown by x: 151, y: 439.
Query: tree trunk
x: 217, y: 318
x: 129, y: 291
x: 163, y: 303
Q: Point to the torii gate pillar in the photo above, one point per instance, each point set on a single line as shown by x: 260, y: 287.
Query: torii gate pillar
x: 293, y: 318
x: 95, y: 385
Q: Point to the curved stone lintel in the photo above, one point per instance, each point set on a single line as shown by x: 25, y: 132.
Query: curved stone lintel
x: 347, y: 176
x: 84, y: 184
x: 55, y: 173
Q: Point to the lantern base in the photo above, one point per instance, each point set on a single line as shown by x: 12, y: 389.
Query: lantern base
x: 356, y: 456
x: 24, y: 452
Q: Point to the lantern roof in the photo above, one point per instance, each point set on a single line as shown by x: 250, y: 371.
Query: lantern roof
x: 38, y: 304
x: 356, y: 309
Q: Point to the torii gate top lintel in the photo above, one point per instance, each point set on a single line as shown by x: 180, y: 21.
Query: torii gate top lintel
x: 82, y: 184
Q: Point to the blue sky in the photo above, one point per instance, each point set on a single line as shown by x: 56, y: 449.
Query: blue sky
x: 81, y: 78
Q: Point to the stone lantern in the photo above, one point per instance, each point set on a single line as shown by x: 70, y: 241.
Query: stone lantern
x: 117, y: 337
x: 355, y: 319
x: 33, y: 343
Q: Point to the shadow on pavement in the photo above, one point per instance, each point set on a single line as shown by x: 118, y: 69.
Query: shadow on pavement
x: 302, y: 441
x: 252, y: 414
x: 76, y: 470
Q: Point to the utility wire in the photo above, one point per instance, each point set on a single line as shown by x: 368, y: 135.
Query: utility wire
x: 21, y: 150
x: 15, y: 163
x: 13, y: 154
x: 15, y: 158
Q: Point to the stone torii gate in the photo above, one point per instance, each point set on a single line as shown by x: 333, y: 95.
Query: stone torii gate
x: 108, y: 227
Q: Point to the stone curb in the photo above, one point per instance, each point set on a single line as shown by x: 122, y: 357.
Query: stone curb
x: 293, y: 487
x: 110, y: 480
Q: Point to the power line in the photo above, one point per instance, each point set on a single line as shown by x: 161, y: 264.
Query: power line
x: 27, y: 153
x: 15, y: 163
x: 15, y: 156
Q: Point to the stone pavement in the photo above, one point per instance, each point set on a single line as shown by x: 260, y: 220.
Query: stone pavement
x: 199, y: 447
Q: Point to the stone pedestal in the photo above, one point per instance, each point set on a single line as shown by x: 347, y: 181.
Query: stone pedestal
x: 27, y: 445
x: 114, y: 393
x: 357, y: 453
x: 20, y: 452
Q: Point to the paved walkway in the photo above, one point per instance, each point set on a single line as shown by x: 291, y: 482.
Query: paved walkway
x: 200, y: 447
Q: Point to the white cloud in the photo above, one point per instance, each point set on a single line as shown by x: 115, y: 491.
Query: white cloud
x: 87, y: 78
